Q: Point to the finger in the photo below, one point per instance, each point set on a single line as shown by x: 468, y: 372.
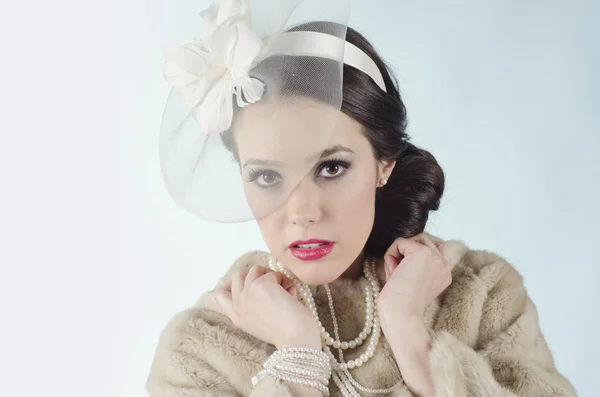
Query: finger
x: 237, y: 284
x: 292, y: 290
x: 423, y: 239
x: 400, y: 248
x: 281, y: 279
x: 225, y: 285
x: 288, y: 285
x: 255, y: 272
x: 274, y: 277
x: 445, y: 252
x: 392, y: 257
x: 409, y: 245
x: 388, y: 273
x: 224, y: 300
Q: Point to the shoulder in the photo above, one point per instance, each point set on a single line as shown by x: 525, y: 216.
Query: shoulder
x: 489, y: 268
x: 201, y: 350
x: 487, y: 294
x: 181, y: 350
x: 202, y: 353
x: 487, y: 320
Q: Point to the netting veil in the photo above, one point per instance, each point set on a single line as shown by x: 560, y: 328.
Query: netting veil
x: 253, y: 104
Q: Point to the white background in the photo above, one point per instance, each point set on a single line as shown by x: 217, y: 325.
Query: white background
x: 96, y: 257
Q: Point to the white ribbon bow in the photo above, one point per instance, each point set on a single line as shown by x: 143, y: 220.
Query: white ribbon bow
x: 208, y: 71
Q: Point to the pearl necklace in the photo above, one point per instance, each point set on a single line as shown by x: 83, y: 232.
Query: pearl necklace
x: 341, y: 374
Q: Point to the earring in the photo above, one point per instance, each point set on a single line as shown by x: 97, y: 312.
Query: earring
x: 383, y: 181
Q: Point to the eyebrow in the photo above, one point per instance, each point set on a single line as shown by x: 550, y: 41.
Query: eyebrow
x: 325, y: 153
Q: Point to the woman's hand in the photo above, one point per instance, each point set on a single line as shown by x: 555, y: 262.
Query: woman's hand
x: 416, y: 274
x: 263, y: 303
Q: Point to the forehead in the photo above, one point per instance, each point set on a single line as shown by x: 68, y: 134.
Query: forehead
x: 293, y: 129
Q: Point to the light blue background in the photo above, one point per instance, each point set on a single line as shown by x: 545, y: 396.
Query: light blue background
x: 504, y: 93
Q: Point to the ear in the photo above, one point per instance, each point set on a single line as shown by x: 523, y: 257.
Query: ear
x: 385, y: 168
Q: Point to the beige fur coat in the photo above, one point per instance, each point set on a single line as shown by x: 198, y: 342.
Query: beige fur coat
x: 486, y: 340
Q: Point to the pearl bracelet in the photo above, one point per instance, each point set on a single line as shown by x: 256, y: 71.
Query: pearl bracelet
x: 300, y: 365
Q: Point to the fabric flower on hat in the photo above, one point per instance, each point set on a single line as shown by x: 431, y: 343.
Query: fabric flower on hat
x: 207, y: 72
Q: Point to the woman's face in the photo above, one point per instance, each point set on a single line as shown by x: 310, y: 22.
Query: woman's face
x: 310, y: 179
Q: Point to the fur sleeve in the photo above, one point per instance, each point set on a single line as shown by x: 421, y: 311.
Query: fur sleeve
x: 202, y: 354
x: 487, y: 340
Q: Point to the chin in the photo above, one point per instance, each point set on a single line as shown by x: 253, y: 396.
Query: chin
x: 314, y: 272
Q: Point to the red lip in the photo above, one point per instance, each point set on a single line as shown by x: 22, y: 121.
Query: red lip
x: 311, y: 254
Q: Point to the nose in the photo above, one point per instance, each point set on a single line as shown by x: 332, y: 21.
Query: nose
x: 303, y: 208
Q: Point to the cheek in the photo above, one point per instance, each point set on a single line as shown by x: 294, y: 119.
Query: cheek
x: 270, y: 228
x: 259, y: 201
x: 354, y: 212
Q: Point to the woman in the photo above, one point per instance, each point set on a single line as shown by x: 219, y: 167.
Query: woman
x: 353, y: 298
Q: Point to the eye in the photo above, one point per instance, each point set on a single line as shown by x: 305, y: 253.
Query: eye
x: 267, y: 178
x: 333, y: 168
x: 264, y: 178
